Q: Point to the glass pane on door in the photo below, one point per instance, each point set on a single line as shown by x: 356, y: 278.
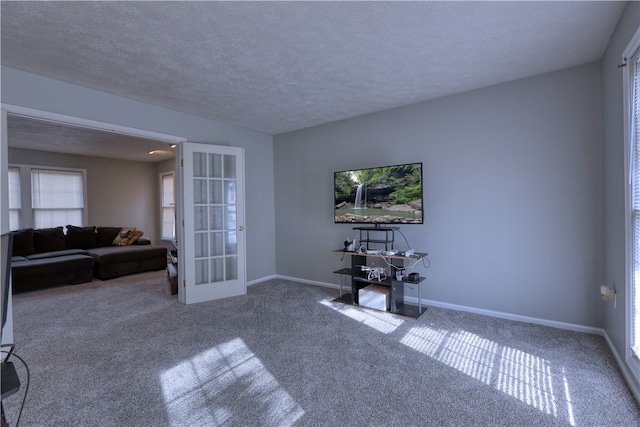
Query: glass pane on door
x: 231, y: 268
x: 215, y: 165
x: 215, y: 195
x: 229, y: 166
x: 217, y: 248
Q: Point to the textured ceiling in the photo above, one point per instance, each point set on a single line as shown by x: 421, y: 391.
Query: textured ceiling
x: 39, y: 135
x: 281, y: 66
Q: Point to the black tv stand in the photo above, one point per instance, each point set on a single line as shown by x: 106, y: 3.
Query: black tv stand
x: 358, y: 281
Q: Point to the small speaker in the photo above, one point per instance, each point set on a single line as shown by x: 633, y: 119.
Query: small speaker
x: 413, y: 277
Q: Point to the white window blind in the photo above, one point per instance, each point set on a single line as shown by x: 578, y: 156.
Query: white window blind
x: 57, y: 197
x: 168, y: 207
x: 635, y: 206
x: 15, y: 204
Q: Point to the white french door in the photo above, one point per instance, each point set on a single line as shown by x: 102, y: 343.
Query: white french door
x: 211, y: 240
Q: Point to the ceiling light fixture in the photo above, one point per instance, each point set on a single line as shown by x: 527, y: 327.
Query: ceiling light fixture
x: 152, y: 152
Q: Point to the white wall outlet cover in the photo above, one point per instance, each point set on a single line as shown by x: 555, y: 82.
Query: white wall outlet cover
x: 607, y: 293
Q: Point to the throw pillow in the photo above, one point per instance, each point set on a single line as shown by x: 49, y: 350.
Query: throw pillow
x: 81, y: 237
x: 49, y: 239
x: 23, y: 242
x: 127, y: 236
x: 106, y: 235
x: 135, y: 237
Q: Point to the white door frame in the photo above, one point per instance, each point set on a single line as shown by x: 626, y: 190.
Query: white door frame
x: 16, y: 110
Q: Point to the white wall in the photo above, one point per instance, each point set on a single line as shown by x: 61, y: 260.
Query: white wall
x: 120, y: 193
x: 512, y: 197
x: 33, y: 91
x: 614, y: 181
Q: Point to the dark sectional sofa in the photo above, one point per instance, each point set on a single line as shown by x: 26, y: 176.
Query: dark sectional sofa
x: 48, y: 257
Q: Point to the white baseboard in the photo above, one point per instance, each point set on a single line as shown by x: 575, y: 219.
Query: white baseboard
x: 509, y: 316
x: 262, y: 279
x: 295, y: 279
x: 310, y: 282
x: 628, y: 376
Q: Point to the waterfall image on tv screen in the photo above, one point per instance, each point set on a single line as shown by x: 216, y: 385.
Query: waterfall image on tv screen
x: 382, y: 195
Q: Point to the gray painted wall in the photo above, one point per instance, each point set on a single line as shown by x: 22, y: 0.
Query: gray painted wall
x: 512, y: 197
x: 33, y: 91
x: 119, y: 193
x: 614, y: 181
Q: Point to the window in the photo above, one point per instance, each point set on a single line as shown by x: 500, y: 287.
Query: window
x: 632, y: 117
x: 635, y: 212
x: 15, y: 203
x: 56, y: 197
x: 167, y: 206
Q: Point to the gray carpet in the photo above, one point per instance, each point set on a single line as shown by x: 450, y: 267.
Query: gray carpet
x: 125, y: 353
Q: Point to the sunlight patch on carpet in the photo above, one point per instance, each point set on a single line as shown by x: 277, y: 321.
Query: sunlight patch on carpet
x: 516, y: 373
x: 227, y: 372
x: 378, y: 320
x: 527, y: 378
x: 567, y: 396
x: 462, y: 350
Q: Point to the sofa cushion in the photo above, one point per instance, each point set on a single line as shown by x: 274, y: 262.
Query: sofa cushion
x: 49, y: 239
x: 116, y: 261
x: 23, y: 242
x: 53, y: 265
x: 42, y: 273
x: 55, y: 254
x: 115, y: 254
x: 81, y: 237
x: 106, y: 235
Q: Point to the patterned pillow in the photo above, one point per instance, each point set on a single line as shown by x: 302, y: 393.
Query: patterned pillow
x: 127, y: 236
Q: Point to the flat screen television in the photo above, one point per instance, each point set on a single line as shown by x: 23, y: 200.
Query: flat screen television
x: 380, y: 195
